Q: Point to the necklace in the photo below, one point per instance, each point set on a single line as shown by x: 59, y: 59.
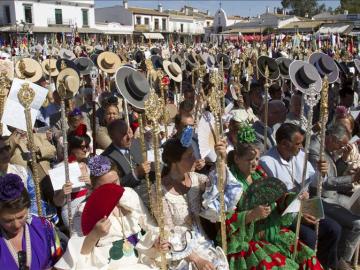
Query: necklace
x: 14, y: 254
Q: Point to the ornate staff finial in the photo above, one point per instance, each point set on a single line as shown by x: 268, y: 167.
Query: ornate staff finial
x: 26, y: 96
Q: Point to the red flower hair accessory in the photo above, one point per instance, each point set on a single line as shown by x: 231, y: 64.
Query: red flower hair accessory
x: 71, y: 158
x: 165, y: 80
x: 341, y: 112
x: 81, y: 130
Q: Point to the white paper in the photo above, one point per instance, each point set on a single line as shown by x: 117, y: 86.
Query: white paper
x: 354, y: 139
x: 14, y: 115
x: 354, y: 114
x: 293, y: 207
x: 57, y: 176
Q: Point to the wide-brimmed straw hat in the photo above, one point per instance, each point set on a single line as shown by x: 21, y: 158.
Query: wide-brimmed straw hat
x: 325, y: 65
x: 284, y: 64
x: 173, y: 70
x: 70, y: 79
x: 304, y: 75
x: 133, y: 86
x: 49, y: 67
x: 66, y: 54
x: 265, y: 61
x: 108, y: 62
x: 7, y: 67
x: 84, y: 65
x: 28, y: 69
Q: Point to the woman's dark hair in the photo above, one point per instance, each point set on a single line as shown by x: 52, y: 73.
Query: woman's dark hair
x: 241, y: 149
x: 76, y: 141
x: 18, y: 204
x: 172, y: 152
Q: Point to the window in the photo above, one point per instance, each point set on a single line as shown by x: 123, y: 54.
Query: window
x: 147, y: 21
x: 85, y: 17
x: 164, y: 24
x: 181, y: 28
x: 138, y: 20
x: 58, y: 16
x: 207, y: 24
x: 7, y: 14
x: 156, y: 24
x: 28, y: 13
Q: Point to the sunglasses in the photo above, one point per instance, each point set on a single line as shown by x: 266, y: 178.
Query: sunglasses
x: 84, y: 147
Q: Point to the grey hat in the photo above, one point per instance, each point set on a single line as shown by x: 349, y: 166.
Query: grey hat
x: 303, y: 75
x: 325, y: 65
x: 284, y: 64
x: 265, y: 61
x: 84, y: 65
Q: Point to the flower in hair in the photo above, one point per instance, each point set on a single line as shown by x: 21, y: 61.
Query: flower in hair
x: 72, y: 158
x: 75, y: 112
x: 341, y: 112
x: 186, y: 136
x: 81, y: 130
x: 99, y: 165
x: 165, y: 80
x: 11, y: 187
x: 246, y: 134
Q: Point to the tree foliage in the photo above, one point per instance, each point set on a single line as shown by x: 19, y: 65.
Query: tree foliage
x: 353, y: 6
x: 303, y: 7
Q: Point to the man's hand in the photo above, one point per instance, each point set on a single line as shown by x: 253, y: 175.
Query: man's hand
x: 309, y: 219
x: 199, y: 164
x: 143, y: 169
x: 323, y: 167
x: 220, y: 148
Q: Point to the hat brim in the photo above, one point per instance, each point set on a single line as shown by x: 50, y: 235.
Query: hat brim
x: 120, y: 76
x: 261, y: 65
x: 73, y: 73
x: 333, y: 75
x: 38, y: 70
x: 117, y: 63
x: 88, y: 67
x: 294, y: 68
x: 62, y: 54
x: 174, y: 57
x: 55, y: 72
x: 68, y: 63
x: 166, y: 65
x: 191, y: 63
x: 279, y: 61
x: 7, y: 66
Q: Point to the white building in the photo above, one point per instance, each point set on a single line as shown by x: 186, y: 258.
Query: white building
x: 36, y: 17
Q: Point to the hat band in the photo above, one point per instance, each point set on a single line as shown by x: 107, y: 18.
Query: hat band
x: 173, y: 71
x: 132, y: 88
x: 107, y: 65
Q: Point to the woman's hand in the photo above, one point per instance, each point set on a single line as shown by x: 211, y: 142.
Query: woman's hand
x: 163, y: 247
x: 220, y: 148
x: 67, y: 188
x: 304, y: 196
x: 102, y: 227
x: 260, y: 212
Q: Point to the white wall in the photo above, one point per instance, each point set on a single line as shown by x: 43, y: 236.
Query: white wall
x: 152, y: 21
x: 2, y: 11
x: 42, y: 12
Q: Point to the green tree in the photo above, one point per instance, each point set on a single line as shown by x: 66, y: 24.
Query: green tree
x: 303, y: 7
x: 350, y: 5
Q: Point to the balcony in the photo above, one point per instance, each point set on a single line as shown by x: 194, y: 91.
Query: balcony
x: 142, y: 28
x: 52, y: 22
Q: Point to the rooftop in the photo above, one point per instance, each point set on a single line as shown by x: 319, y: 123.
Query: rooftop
x: 146, y: 11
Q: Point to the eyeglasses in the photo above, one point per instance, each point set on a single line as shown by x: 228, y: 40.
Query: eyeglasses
x: 84, y: 147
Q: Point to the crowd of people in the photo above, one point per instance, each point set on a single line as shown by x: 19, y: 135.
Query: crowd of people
x: 114, y: 209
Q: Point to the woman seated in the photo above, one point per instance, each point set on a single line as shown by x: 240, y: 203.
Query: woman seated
x: 79, y: 149
x: 108, y: 240
x: 26, y: 241
x: 185, y: 196
x: 258, y: 238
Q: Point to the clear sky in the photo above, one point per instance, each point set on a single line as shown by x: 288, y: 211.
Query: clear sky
x: 232, y: 7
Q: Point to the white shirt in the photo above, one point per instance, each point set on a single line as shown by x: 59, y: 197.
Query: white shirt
x: 290, y: 172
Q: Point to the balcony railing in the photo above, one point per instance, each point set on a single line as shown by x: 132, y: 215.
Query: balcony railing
x: 53, y: 22
x: 141, y: 27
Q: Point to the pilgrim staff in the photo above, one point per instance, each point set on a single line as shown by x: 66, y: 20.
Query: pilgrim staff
x: 68, y: 83
x: 4, y: 87
x: 26, y: 96
x: 311, y: 94
x: 269, y: 69
x: 94, y: 73
x: 215, y: 106
x: 153, y: 109
x: 329, y: 71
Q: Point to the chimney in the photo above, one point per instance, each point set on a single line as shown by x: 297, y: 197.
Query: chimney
x: 187, y: 10
x: 346, y: 12
x: 160, y: 8
x: 284, y: 11
x: 207, y: 12
x: 267, y: 10
x: 125, y: 3
x: 275, y: 10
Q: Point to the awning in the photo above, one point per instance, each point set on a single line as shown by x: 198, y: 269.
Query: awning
x: 153, y: 36
x: 335, y: 29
